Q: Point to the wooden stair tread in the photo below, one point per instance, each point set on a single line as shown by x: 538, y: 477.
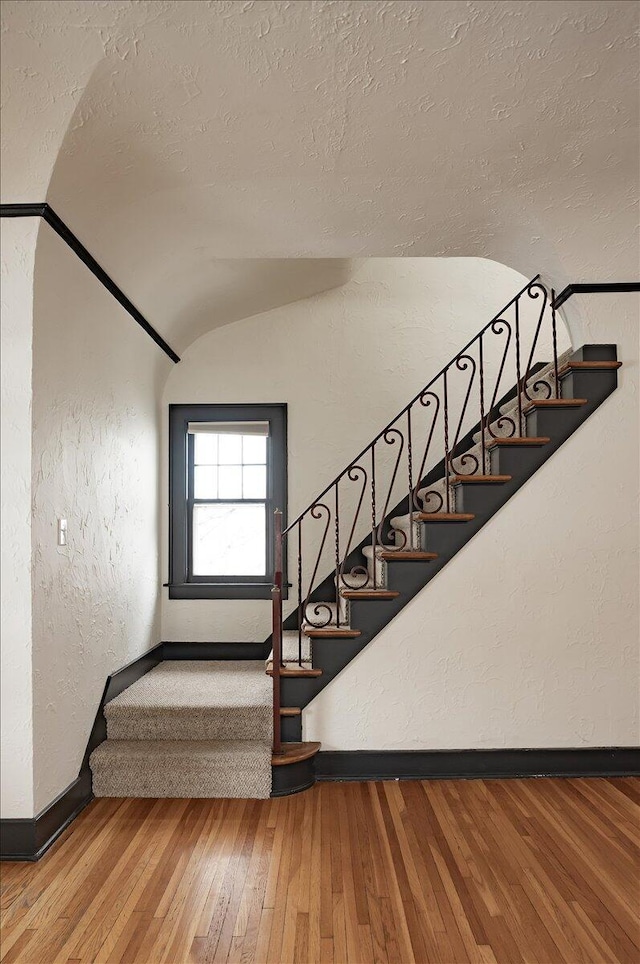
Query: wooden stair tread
x: 445, y: 516
x: 369, y: 594
x: 333, y: 632
x: 590, y: 366
x: 407, y: 556
x: 294, y: 753
x: 293, y: 670
x: 524, y: 440
x: 482, y: 479
x: 554, y: 403
x: 290, y: 711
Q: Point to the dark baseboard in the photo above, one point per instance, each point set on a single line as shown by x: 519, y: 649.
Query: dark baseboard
x: 470, y: 764
x: 172, y: 650
x: 29, y: 838
x: 115, y: 684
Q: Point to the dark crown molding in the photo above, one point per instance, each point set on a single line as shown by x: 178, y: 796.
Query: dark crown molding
x: 46, y: 211
x: 599, y: 287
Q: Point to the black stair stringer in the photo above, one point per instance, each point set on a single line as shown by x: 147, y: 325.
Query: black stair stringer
x: 484, y: 500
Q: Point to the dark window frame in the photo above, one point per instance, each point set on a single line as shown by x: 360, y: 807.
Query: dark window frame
x: 182, y: 584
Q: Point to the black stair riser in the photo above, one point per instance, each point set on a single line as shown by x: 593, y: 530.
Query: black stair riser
x: 332, y: 655
x: 596, y: 353
x: 446, y: 539
x: 480, y: 498
x: 410, y: 577
x: 291, y: 729
x: 593, y: 385
x: 558, y: 424
x: 516, y: 460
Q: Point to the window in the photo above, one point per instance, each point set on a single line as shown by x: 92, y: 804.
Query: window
x: 227, y: 475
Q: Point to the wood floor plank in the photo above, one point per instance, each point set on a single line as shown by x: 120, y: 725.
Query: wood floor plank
x: 541, y: 871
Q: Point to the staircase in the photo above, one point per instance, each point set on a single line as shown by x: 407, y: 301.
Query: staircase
x: 188, y: 728
x: 381, y: 531
x: 465, y: 474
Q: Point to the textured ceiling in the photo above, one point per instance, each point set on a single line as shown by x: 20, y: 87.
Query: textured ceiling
x: 173, y: 135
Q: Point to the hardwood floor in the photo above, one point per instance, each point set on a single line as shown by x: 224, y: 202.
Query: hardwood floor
x: 443, y: 871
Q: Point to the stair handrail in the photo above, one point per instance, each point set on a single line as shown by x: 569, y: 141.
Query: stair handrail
x: 435, y: 398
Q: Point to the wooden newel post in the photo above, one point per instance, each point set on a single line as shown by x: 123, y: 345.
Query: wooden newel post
x: 277, y: 630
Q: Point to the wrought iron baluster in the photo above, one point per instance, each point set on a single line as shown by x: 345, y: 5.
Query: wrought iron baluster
x: 462, y: 363
x: 390, y: 436
x: 497, y: 326
x: 534, y: 291
x: 410, y: 476
x: 518, y: 373
x: 300, y: 613
x: 447, y: 468
x: 426, y: 399
x: 316, y: 512
x: 373, y: 512
x: 337, y: 553
x: 353, y: 473
x: 483, y: 446
x: 554, y: 332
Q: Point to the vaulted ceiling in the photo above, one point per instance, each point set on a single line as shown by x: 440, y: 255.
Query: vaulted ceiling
x: 174, y: 137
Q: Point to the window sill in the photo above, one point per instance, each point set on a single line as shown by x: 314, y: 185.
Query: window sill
x: 223, y: 590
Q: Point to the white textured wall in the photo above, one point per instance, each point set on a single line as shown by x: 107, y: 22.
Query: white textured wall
x: 18, y: 247
x: 96, y: 380
x: 530, y: 636
x: 346, y: 361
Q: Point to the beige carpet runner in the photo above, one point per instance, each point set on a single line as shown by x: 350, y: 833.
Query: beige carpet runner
x: 189, y: 728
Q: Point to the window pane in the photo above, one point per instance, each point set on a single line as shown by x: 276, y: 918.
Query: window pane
x: 206, y: 448
x: 229, y: 540
x: 254, y: 449
x: 205, y: 482
x: 230, y: 452
x: 229, y: 482
x: 254, y: 482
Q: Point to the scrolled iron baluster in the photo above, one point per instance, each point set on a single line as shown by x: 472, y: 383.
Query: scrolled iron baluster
x: 353, y: 473
x: 316, y: 512
x: 373, y: 511
x: 497, y: 327
x: 534, y: 290
x: 410, y: 477
x: 447, y: 467
x: 300, y: 613
x: 337, y: 552
x: 518, y: 379
x: 463, y: 363
x: 425, y: 400
x: 554, y: 332
x: 390, y: 436
x: 483, y: 446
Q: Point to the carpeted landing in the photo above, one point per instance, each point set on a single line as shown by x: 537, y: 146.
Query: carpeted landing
x: 189, y: 728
